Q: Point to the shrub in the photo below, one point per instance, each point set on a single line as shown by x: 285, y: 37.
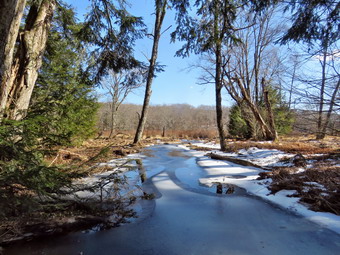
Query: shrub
x: 237, y: 125
x: 24, y: 178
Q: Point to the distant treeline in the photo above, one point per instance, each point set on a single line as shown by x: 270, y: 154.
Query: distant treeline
x: 168, y: 119
x: 182, y: 120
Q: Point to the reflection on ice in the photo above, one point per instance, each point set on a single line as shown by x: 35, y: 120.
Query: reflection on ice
x: 187, y: 220
x: 162, y: 180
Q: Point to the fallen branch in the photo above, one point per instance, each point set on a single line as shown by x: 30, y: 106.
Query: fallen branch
x: 65, y: 154
x: 54, y: 160
x: 235, y: 160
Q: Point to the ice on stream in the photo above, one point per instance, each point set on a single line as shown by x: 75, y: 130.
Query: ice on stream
x: 218, y: 171
x: 184, y: 221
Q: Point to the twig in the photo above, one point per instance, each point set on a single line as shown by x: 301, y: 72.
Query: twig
x: 53, y: 160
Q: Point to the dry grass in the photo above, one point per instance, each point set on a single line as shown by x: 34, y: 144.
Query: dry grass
x: 292, y: 145
x: 317, y: 187
x: 94, y: 150
x: 101, y: 149
x: 183, y: 134
x: 194, y: 134
x: 289, y: 144
x: 172, y: 134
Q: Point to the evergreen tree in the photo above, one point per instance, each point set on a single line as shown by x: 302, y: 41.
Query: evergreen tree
x: 310, y: 19
x: 243, y: 125
x: 62, y: 111
x: 25, y: 180
x: 283, y: 116
x: 207, y: 32
x: 63, y: 99
x: 237, y: 125
x: 111, y: 31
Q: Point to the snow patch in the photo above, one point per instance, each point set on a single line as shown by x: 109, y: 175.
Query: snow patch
x: 222, y: 172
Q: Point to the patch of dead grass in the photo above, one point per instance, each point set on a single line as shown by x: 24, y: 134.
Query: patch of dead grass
x: 295, y: 147
x: 178, y: 154
x: 93, y: 150
x: 318, y: 186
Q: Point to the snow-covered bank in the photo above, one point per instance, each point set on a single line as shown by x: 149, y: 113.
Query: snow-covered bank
x: 246, y: 177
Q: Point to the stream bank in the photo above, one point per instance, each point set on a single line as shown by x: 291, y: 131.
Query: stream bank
x: 189, y: 218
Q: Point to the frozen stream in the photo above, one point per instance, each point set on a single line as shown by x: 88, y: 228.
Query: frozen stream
x: 189, y: 219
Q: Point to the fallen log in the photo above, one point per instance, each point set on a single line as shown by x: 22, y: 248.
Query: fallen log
x: 235, y: 160
x: 51, y: 227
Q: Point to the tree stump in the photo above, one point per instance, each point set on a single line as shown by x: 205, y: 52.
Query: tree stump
x: 219, y: 188
x: 299, y: 160
x: 230, y: 190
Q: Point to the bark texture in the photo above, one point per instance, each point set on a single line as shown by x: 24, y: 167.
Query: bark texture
x: 11, y: 12
x: 28, y: 59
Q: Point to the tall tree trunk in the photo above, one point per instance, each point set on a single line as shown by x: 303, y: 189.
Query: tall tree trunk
x: 218, y: 94
x: 218, y: 38
x: 292, y: 86
x: 322, y: 92
x: 269, y: 135
x: 114, y: 107
x: 269, y: 110
x: 28, y: 59
x: 11, y: 12
x: 113, y: 120
x: 329, y: 112
x: 160, y: 14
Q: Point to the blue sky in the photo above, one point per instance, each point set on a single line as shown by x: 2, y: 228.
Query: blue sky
x: 176, y: 84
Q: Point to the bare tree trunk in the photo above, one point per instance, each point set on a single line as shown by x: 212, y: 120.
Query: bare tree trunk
x: 160, y: 14
x: 218, y: 94
x: 292, y: 84
x: 257, y: 62
x: 218, y: 37
x: 28, y: 59
x: 11, y: 12
x: 256, y: 81
x: 113, y: 120
x: 114, y: 107
x: 322, y: 91
x: 269, y: 135
x: 269, y: 110
x: 265, y: 129
x: 329, y: 112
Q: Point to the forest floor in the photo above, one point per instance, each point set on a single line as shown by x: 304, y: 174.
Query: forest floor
x: 309, y: 167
